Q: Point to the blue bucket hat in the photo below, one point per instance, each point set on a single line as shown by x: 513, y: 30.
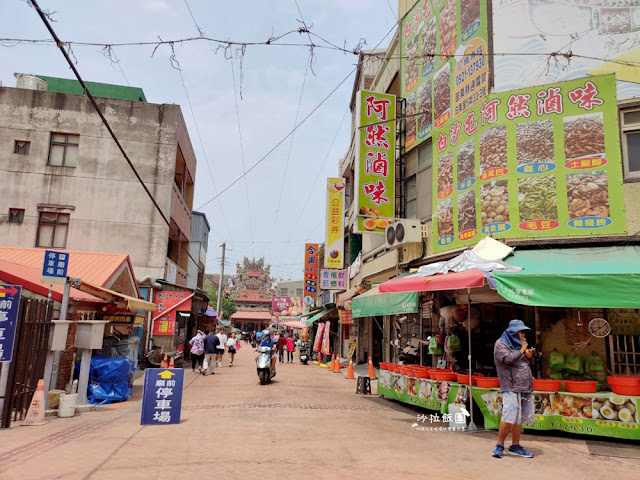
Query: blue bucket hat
x: 510, y: 335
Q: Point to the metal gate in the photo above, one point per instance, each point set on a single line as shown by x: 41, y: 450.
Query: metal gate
x: 29, y: 356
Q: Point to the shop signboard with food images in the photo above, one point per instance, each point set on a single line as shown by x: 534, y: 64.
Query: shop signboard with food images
x: 311, y: 271
x: 375, y: 172
x: 538, y: 162
x: 334, y: 256
x: 445, y: 63
x: 286, y: 306
x: 598, y: 36
x: 604, y: 414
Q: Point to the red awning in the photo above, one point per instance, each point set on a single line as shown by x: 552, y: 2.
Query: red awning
x: 448, y: 281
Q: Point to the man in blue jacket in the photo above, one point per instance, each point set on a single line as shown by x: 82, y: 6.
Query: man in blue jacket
x: 211, y: 342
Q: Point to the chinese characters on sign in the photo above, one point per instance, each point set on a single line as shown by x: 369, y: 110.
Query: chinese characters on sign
x: 286, y: 306
x: 333, y: 279
x: 162, y: 396
x: 346, y: 317
x: 9, y: 303
x: 538, y: 162
x: 165, y: 319
x: 375, y: 163
x: 311, y: 269
x: 333, y: 257
x: 54, y: 268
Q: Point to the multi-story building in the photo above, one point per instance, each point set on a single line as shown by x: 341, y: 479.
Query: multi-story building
x: 198, y: 248
x: 65, y: 184
x: 290, y: 289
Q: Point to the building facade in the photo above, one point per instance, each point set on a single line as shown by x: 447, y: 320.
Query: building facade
x: 290, y: 289
x: 65, y: 184
x: 198, y: 248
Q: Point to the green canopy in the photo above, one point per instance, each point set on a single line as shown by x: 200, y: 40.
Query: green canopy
x: 372, y: 303
x: 598, y: 277
x: 308, y: 313
x: 318, y: 316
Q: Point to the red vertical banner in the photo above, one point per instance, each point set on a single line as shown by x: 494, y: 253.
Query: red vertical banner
x: 317, y: 343
x: 326, y: 341
x: 311, y: 271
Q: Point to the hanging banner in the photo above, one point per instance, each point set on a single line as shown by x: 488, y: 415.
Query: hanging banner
x: 326, y: 341
x: 445, y: 63
x: 538, y: 162
x: 375, y: 170
x: 317, y: 342
x: 311, y: 271
x: 334, y: 250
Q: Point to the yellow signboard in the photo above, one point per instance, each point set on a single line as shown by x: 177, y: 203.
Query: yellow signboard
x: 334, y: 253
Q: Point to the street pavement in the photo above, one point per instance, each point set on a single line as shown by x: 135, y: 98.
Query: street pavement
x: 308, y: 423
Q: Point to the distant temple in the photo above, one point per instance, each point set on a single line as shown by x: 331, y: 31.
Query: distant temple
x: 252, y: 290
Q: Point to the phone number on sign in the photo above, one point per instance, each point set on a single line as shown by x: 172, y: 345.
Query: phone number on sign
x: 561, y: 426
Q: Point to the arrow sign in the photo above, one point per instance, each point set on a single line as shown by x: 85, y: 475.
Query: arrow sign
x: 11, y: 290
x: 166, y: 374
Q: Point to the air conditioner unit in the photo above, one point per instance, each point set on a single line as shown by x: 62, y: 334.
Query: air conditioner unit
x: 402, y: 232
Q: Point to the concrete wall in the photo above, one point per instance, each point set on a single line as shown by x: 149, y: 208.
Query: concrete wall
x: 197, y: 248
x: 110, y: 211
x: 291, y: 287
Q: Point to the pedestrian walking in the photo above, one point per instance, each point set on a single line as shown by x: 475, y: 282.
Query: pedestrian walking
x: 223, y: 341
x: 211, y: 342
x: 290, y: 349
x: 231, y: 347
x: 513, y: 361
x: 197, y: 350
x: 282, y: 342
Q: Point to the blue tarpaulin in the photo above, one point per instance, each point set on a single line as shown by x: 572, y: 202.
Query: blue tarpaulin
x: 109, y: 380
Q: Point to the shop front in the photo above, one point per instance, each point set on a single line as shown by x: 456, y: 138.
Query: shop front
x: 580, y: 308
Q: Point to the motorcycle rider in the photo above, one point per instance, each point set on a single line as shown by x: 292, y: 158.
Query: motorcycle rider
x: 268, y: 342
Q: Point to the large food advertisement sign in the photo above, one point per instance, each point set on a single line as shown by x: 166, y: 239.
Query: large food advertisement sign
x: 375, y: 174
x: 334, y: 256
x: 601, y: 35
x: 286, y: 306
x: 445, y: 63
x: 538, y: 162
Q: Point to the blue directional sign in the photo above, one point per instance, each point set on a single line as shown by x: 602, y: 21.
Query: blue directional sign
x: 54, y: 269
x: 162, y: 396
x: 9, y: 303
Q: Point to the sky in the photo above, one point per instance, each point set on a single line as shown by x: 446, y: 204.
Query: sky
x: 264, y: 214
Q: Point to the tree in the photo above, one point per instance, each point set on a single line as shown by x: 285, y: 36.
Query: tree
x: 229, y: 307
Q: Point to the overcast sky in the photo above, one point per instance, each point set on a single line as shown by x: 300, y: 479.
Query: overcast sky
x: 271, y: 89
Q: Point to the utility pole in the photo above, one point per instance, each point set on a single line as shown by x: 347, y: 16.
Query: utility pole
x: 219, y: 302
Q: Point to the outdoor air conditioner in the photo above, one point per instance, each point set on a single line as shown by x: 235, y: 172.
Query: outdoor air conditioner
x: 402, y: 232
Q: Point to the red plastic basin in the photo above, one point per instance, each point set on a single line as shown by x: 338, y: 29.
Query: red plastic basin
x: 547, y: 385
x: 446, y: 376
x: 488, y: 382
x: 587, y: 386
x: 625, y: 385
x: 463, y: 378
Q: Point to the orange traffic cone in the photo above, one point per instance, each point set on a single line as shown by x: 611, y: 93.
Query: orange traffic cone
x: 171, y: 363
x: 165, y: 364
x: 35, y: 414
x: 337, y: 365
x: 350, y: 375
x: 372, y: 372
x: 333, y: 362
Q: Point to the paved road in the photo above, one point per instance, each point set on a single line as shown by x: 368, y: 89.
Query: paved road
x: 308, y: 423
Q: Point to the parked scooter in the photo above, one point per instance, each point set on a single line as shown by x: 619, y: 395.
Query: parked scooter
x: 155, y: 356
x: 266, y: 364
x: 304, y: 353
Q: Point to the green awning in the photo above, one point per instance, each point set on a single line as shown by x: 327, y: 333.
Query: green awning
x: 373, y: 303
x: 309, y: 321
x: 308, y: 313
x: 598, y: 277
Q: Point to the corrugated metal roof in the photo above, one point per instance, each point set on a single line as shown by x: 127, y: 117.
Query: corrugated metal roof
x: 26, y: 263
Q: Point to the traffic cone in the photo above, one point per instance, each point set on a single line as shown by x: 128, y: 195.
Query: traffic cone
x: 333, y: 362
x: 336, y: 364
x: 372, y: 372
x: 165, y: 364
x: 35, y: 415
x: 171, y: 363
x: 350, y: 375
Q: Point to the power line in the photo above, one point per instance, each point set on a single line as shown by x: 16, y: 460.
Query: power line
x: 281, y: 141
x: 60, y: 45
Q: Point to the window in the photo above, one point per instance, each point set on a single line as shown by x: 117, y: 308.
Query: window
x: 21, y: 147
x: 16, y: 215
x: 631, y: 142
x: 52, y: 230
x: 410, y: 194
x: 63, y: 150
x: 284, y: 292
x: 298, y: 292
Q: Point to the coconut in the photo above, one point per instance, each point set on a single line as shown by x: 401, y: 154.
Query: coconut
x: 608, y: 413
x: 625, y: 415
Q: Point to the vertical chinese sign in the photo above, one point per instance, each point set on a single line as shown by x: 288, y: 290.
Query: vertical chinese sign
x: 326, y: 339
x: 311, y: 269
x: 9, y: 304
x: 167, y: 304
x: 334, y: 256
x: 162, y: 396
x: 375, y: 174
x: 538, y: 162
x: 445, y: 63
